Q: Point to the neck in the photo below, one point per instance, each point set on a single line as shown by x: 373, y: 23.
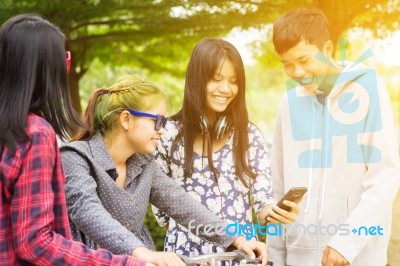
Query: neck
x: 211, y: 117
x: 117, y: 149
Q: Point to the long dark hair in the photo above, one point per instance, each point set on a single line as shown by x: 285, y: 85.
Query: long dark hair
x: 33, y: 79
x: 204, y: 62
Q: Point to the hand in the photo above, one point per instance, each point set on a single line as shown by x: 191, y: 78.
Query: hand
x: 276, y: 214
x: 249, y: 247
x: 158, y: 258
x: 333, y: 258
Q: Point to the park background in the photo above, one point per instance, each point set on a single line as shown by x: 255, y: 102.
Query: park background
x: 154, y: 38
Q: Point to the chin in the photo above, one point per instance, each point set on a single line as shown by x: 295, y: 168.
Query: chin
x: 311, y: 88
x: 151, y: 150
x: 219, y: 109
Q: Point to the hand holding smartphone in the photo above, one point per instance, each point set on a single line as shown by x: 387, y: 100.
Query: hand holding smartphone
x: 294, y: 194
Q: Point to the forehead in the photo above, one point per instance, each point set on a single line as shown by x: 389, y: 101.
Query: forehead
x: 225, y: 68
x: 302, y: 49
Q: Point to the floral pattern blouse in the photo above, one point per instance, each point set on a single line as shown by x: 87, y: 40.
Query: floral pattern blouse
x: 229, y: 200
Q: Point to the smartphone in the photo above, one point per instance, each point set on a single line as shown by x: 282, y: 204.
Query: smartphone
x: 294, y: 194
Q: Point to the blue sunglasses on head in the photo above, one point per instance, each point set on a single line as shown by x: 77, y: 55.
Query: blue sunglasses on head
x: 160, y: 120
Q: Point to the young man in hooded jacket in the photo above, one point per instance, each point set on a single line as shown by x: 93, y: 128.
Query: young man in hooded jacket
x: 334, y: 135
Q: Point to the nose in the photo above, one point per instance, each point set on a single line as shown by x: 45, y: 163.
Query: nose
x: 161, y: 131
x: 298, y: 72
x: 224, y: 86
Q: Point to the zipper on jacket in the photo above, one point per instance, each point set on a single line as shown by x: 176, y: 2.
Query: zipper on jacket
x: 325, y: 112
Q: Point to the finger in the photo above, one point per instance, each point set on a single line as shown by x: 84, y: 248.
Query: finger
x: 278, y: 211
x: 282, y: 216
x: 262, y: 250
x: 264, y: 261
x: 272, y: 221
x: 293, y: 205
x: 247, y: 249
x: 289, y: 216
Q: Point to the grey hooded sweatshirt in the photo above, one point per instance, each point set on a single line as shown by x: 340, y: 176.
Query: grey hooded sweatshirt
x: 345, y: 151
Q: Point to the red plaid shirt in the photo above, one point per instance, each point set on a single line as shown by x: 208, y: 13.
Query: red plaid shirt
x: 34, y: 227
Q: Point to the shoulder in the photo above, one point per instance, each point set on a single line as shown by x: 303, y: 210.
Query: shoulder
x: 255, y: 135
x: 173, y: 125
x: 75, y: 149
x: 253, y: 129
x: 76, y: 145
x: 251, y: 126
x: 40, y: 132
x: 38, y: 125
x: 171, y: 131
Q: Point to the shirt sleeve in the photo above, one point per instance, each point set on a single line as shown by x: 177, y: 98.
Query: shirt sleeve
x: 259, y: 162
x: 380, y: 182
x: 185, y: 210
x: 88, y: 213
x: 33, y: 213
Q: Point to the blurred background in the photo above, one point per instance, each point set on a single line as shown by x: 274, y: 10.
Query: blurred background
x: 154, y: 38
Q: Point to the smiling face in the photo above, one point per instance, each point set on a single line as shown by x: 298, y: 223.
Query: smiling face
x: 142, y: 135
x: 222, y: 88
x: 301, y: 63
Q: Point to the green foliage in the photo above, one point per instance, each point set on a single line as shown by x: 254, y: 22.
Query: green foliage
x: 100, y: 75
x: 157, y: 35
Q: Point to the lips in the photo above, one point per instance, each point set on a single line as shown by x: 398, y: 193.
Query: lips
x: 220, y: 99
x: 156, y: 141
x: 306, y: 81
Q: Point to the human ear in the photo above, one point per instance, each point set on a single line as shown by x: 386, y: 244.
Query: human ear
x: 124, y: 118
x: 328, y: 49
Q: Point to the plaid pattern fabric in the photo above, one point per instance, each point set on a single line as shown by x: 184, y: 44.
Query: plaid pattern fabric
x: 34, y: 227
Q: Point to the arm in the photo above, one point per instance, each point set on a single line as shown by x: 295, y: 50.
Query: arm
x: 380, y: 182
x: 33, y: 223
x: 259, y: 162
x: 86, y: 210
x: 172, y: 199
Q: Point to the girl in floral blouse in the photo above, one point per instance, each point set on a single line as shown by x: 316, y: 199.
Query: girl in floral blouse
x: 214, y: 152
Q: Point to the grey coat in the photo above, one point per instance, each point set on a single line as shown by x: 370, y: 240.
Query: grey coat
x: 102, y: 214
